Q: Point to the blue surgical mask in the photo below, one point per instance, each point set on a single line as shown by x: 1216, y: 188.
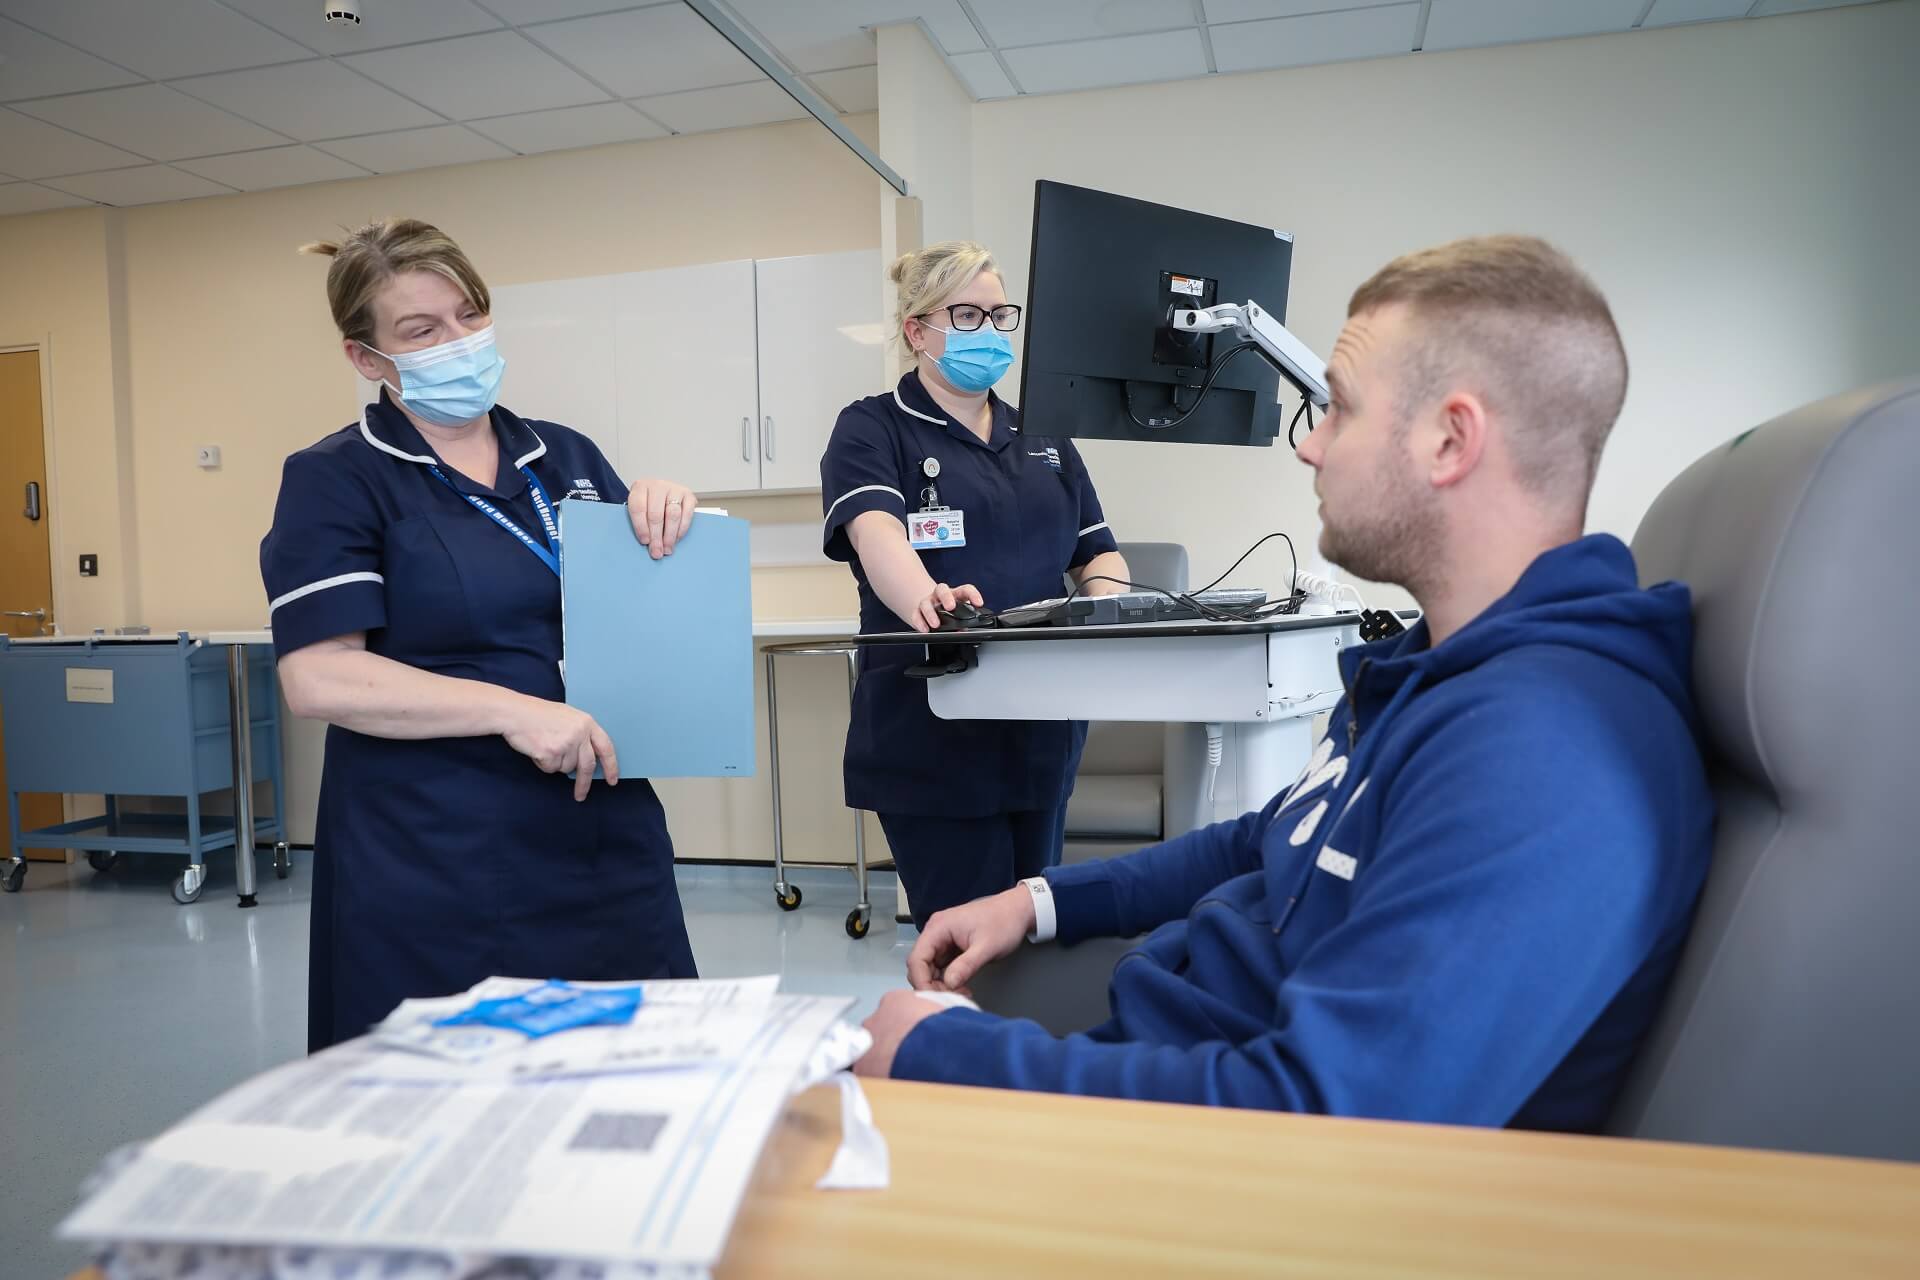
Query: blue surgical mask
x: 450, y: 384
x: 975, y: 360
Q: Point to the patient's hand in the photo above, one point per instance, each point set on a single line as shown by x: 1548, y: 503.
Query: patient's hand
x: 899, y: 1013
x: 960, y: 942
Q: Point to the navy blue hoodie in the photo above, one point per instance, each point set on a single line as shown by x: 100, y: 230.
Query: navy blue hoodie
x: 1465, y: 911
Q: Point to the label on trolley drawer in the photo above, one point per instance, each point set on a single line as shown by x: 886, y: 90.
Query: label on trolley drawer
x: 90, y: 684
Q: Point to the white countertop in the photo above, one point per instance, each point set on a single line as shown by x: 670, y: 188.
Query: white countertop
x: 804, y: 628
x: 763, y: 628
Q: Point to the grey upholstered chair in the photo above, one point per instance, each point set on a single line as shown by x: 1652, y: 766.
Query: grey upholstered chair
x: 1794, y: 1018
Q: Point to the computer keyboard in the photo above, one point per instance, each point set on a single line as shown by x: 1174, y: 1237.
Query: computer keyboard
x: 1127, y: 607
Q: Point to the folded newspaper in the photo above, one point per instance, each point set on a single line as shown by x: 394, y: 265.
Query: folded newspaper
x: 624, y: 1146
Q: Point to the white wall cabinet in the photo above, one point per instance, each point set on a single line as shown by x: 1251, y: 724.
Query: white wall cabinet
x: 726, y: 376
x: 684, y: 376
x: 559, y: 350
x: 821, y: 348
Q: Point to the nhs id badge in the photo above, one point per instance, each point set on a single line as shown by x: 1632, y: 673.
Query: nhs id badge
x: 934, y: 530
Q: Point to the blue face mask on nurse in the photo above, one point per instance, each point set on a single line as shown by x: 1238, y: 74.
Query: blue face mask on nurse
x: 451, y: 383
x: 976, y: 352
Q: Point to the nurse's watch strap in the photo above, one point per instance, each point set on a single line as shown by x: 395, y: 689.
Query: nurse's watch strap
x: 1044, y: 923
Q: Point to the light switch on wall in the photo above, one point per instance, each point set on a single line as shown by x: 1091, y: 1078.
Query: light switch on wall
x: 207, y: 456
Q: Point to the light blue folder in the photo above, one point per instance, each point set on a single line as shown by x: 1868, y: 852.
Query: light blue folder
x: 660, y: 652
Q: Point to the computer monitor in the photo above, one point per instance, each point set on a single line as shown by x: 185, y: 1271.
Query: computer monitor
x: 1102, y: 360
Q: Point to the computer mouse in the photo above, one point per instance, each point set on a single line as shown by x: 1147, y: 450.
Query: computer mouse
x: 964, y: 616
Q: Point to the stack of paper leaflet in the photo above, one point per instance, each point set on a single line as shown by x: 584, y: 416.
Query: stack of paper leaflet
x: 451, y: 1135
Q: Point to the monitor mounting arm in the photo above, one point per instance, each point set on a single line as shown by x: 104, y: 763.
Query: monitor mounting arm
x: 1249, y: 322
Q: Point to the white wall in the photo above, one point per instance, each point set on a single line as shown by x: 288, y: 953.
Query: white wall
x: 1744, y: 192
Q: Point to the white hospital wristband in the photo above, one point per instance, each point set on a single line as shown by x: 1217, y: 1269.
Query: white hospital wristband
x: 1045, y: 925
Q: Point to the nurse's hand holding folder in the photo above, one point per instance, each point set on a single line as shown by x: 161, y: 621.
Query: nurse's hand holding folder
x: 662, y: 512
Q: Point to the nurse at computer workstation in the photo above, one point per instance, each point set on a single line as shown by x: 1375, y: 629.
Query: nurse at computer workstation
x: 940, y: 503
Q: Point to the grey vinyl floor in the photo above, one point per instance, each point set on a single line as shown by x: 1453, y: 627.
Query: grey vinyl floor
x: 120, y: 1011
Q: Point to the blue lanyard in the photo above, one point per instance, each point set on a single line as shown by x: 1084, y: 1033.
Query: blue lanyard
x: 547, y: 553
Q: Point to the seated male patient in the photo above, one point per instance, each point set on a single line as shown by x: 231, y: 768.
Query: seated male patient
x: 1468, y: 907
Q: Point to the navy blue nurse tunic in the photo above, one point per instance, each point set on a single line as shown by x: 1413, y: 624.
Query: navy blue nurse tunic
x: 1031, y: 514
x: 443, y: 861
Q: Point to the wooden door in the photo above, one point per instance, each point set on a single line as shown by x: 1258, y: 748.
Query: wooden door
x: 26, y: 563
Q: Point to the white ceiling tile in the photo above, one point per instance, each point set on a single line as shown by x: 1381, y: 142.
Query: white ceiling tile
x: 570, y: 127
x: 1254, y: 10
x: 524, y: 12
x: 1666, y: 13
x: 274, y: 167
x: 820, y: 35
x: 384, y: 22
x: 153, y: 120
x: 1017, y: 22
x: 647, y: 52
x: 33, y: 66
x: 730, y: 108
x: 982, y: 74
x: 149, y: 184
x: 159, y: 38
x: 416, y: 149
x: 34, y: 149
x: 30, y: 197
x: 310, y: 100
x: 854, y: 89
x: 486, y: 75
x: 1768, y: 8
x: 1466, y: 24
x: 1316, y: 38
x: 1088, y: 64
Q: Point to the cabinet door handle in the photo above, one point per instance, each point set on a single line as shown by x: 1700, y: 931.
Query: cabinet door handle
x: 33, y: 499
x: 746, y: 439
x: 766, y: 438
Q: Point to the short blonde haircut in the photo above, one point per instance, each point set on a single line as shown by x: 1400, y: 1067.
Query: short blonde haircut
x: 1532, y: 335
x: 927, y: 278
x: 372, y: 255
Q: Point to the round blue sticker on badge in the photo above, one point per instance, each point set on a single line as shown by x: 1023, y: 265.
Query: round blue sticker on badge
x: 942, y: 534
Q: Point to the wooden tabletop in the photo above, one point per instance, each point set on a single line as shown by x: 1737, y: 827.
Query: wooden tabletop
x: 988, y: 1183
x: 993, y: 1183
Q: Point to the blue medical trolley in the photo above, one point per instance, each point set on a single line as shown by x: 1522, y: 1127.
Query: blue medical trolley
x: 134, y: 716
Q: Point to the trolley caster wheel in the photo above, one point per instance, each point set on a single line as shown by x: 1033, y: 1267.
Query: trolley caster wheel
x: 788, y: 896
x: 857, y: 923
x: 188, y: 884
x: 282, y: 862
x: 103, y: 861
x: 16, y: 876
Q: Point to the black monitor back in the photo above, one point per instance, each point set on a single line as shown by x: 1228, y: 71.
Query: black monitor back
x: 1106, y: 273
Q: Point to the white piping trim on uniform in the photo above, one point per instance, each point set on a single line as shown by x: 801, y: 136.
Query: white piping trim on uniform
x: 924, y: 417
x: 1092, y: 528
x: 338, y: 581
x: 523, y: 461
x: 866, y: 488
x: 384, y: 447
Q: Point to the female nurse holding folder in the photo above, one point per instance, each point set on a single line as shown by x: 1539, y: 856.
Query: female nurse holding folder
x: 413, y: 578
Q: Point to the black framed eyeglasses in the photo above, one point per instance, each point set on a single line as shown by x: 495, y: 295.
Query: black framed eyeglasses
x: 966, y: 317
